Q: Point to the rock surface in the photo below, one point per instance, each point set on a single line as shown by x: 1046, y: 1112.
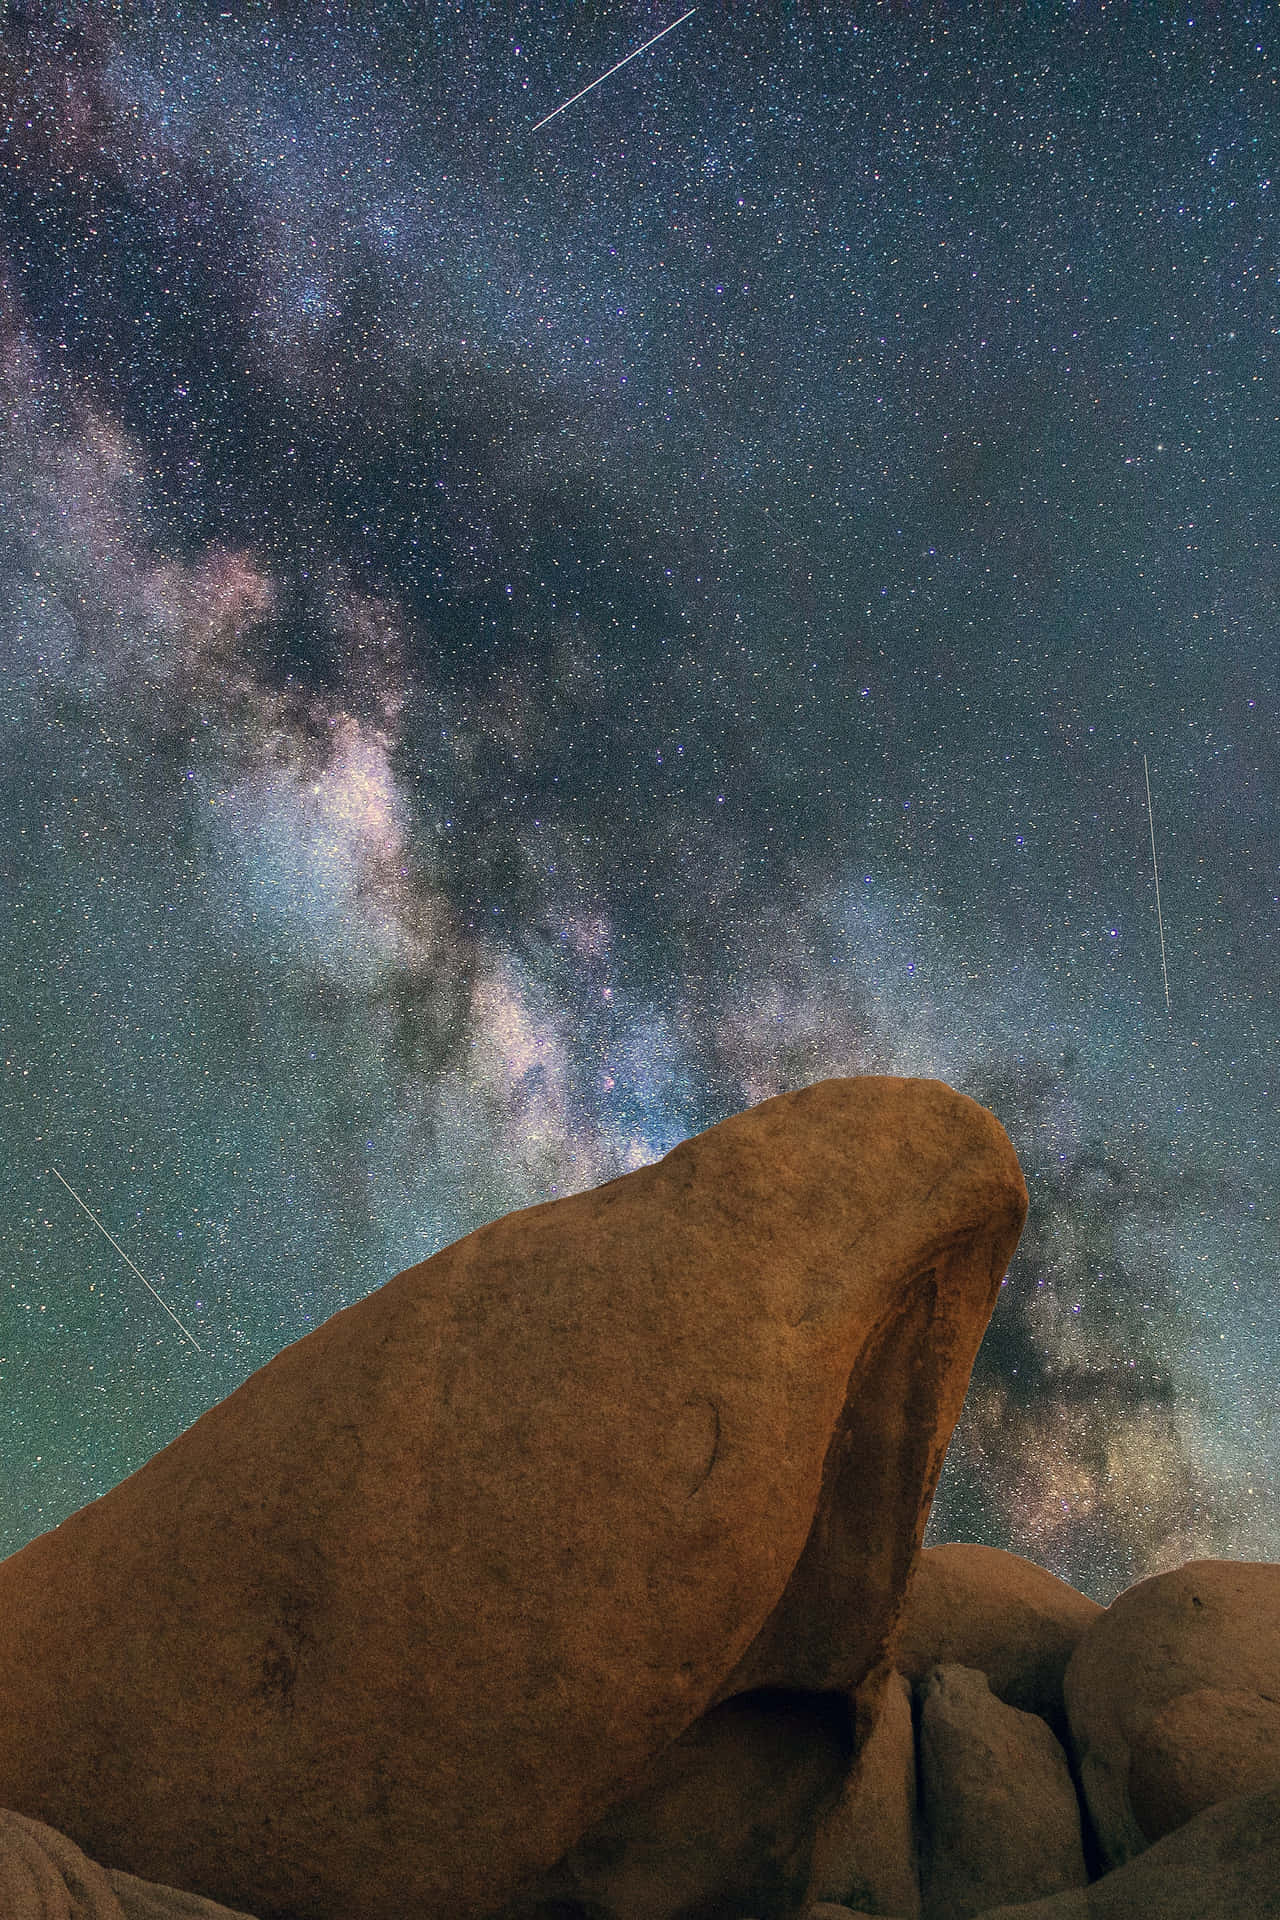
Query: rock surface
x: 1212, y: 1627
x: 972, y: 1606
x: 1204, y: 1746
x: 865, y: 1851
x: 391, y: 1627
x: 1223, y: 1865
x: 45, y: 1876
x: 724, y: 1822
x: 998, y: 1807
x: 832, y: 1910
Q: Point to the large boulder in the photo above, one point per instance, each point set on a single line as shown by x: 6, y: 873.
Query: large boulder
x: 45, y: 1876
x: 391, y: 1627
x: 1223, y: 1865
x: 1204, y: 1746
x: 1172, y: 1695
x: 723, y: 1823
x: 999, y: 1815
x: 980, y: 1607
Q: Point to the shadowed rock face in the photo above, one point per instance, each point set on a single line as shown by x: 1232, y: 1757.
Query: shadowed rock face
x: 392, y: 1626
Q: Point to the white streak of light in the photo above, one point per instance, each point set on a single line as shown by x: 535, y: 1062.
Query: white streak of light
x: 621, y: 63
x: 124, y: 1256
x: 1151, y: 820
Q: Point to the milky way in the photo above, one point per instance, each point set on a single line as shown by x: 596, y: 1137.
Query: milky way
x: 517, y: 644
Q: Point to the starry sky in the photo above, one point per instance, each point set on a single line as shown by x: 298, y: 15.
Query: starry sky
x: 517, y: 644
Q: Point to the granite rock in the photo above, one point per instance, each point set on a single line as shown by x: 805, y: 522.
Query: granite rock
x: 45, y: 1876
x: 865, y: 1849
x: 1223, y: 1865
x: 998, y: 1809
x: 980, y: 1607
x: 394, y: 1625
x: 1212, y: 1628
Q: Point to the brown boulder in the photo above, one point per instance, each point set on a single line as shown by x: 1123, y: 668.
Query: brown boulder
x: 998, y: 1812
x: 865, y: 1851
x: 1204, y: 1746
x: 1223, y: 1865
x: 392, y: 1626
x: 1212, y: 1628
x: 724, y: 1822
x: 970, y: 1606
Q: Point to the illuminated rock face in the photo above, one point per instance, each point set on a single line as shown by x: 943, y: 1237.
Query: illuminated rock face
x: 1174, y: 1700
x: 997, y: 1804
x: 389, y: 1629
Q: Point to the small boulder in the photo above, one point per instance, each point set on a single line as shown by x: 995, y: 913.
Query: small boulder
x: 45, y: 1876
x: 972, y: 1606
x: 999, y: 1815
x: 865, y: 1852
x: 1223, y: 1865
x: 148, y: 1900
x: 1209, y: 1630
x: 1204, y: 1746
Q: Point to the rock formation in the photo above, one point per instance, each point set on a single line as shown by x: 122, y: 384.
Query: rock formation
x: 723, y: 1823
x: 1174, y: 1699
x: 723, y: 1827
x: 977, y: 1607
x: 390, y: 1629
x: 45, y: 1876
x: 864, y: 1852
x: 1223, y: 1865
x: 996, y: 1801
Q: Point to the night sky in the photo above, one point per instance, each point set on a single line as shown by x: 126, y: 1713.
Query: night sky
x: 516, y: 645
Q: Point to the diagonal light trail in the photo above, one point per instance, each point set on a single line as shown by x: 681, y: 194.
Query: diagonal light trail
x: 621, y: 63
x: 1156, y: 871
x: 124, y: 1256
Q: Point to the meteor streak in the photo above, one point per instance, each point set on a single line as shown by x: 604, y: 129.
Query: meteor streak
x: 621, y: 63
x: 124, y: 1256
x: 1156, y: 871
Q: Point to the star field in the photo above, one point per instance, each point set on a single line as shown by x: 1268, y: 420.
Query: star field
x: 516, y: 645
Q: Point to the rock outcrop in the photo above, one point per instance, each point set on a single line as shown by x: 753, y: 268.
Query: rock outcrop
x: 970, y: 1606
x: 729, y: 1814
x: 997, y: 1803
x: 391, y: 1628
x: 1223, y: 1865
x: 864, y: 1853
x: 1205, y: 1746
x: 45, y: 1876
x: 724, y: 1821
x: 1172, y: 1695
